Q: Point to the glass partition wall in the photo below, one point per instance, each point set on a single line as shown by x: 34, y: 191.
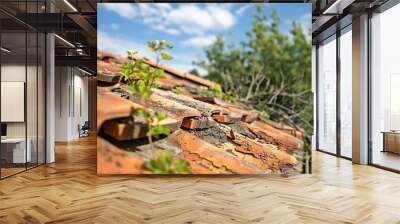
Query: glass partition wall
x: 22, y: 77
x: 326, y: 60
x: 385, y: 89
x: 345, y: 91
x: 334, y: 94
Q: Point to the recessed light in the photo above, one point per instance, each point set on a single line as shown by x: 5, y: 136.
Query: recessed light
x: 86, y: 72
x: 70, y: 5
x: 64, y: 40
x: 5, y: 50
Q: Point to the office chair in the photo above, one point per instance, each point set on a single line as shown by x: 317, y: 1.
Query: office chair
x: 84, y: 130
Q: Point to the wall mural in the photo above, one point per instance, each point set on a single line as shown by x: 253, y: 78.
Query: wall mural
x: 204, y: 88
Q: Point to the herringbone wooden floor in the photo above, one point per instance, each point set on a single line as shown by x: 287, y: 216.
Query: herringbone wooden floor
x: 69, y: 191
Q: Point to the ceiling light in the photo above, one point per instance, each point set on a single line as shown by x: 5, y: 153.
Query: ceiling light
x: 5, y: 50
x: 64, y: 40
x: 86, y: 72
x: 331, y: 7
x: 337, y: 7
x: 70, y: 5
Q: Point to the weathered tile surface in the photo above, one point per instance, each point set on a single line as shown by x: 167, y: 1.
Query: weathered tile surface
x: 213, y: 136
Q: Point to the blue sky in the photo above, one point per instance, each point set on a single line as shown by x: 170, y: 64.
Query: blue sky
x: 190, y: 27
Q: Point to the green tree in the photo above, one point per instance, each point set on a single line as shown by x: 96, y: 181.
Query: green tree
x: 270, y: 71
x: 194, y: 71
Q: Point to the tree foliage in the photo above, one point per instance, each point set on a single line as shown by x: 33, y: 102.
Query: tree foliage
x: 270, y: 71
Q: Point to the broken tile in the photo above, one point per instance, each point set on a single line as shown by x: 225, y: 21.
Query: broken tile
x: 225, y: 119
x: 122, y: 130
x: 112, y: 160
x: 197, y: 122
x: 111, y: 106
x: 287, y: 141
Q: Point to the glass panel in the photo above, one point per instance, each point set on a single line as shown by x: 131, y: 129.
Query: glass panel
x: 346, y: 93
x: 385, y: 86
x: 13, y: 86
x: 41, y: 99
x: 327, y: 95
x: 22, y: 88
x: 32, y: 89
x: 31, y: 98
x: 314, y: 84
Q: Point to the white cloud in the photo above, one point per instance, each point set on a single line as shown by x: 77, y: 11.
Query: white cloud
x: 242, y: 9
x: 123, y: 10
x: 223, y: 17
x: 118, y: 45
x: 114, y: 26
x: 162, y: 5
x: 185, y: 18
x: 305, y: 21
x: 192, y: 19
x: 199, y: 41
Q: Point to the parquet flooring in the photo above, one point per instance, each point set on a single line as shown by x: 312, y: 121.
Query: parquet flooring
x: 70, y: 191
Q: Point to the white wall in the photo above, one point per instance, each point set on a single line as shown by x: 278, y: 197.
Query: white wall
x: 14, y: 73
x: 71, y: 94
x: 33, y: 126
x: 61, y: 103
x: 9, y: 73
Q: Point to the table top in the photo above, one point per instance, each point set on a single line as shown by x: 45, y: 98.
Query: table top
x: 13, y: 140
x: 391, y: 132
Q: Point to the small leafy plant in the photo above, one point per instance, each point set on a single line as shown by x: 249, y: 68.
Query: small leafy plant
x: 141, y: 79
x: 264, y: 116
x: 216, y: 91
x: 177, y: 90
x: 165, y: 163
x: 153, y: 119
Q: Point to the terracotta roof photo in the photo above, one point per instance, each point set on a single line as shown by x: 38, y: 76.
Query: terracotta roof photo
x: 214, y: 136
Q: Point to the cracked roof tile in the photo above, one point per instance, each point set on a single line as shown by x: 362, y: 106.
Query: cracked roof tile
x: 212, y: 135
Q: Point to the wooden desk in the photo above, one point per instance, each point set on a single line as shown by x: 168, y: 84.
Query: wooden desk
x: 391, y: 141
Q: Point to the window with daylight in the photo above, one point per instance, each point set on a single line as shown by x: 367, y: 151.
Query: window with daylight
x: 327, y: 95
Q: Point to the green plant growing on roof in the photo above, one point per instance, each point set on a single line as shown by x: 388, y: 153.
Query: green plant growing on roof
x: 165, y: 163
x: 155, y: 129
x: 141, y: 79
x: 177, y: 90
x: 216, y: 91
x: 264, y: 116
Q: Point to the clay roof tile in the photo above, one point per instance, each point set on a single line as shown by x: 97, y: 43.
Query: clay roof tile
x: 214, y: 136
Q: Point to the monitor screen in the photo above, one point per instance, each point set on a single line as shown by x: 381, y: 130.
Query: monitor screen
x: 3, y: 129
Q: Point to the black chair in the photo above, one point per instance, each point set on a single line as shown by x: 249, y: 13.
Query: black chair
x: 84, y: 130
